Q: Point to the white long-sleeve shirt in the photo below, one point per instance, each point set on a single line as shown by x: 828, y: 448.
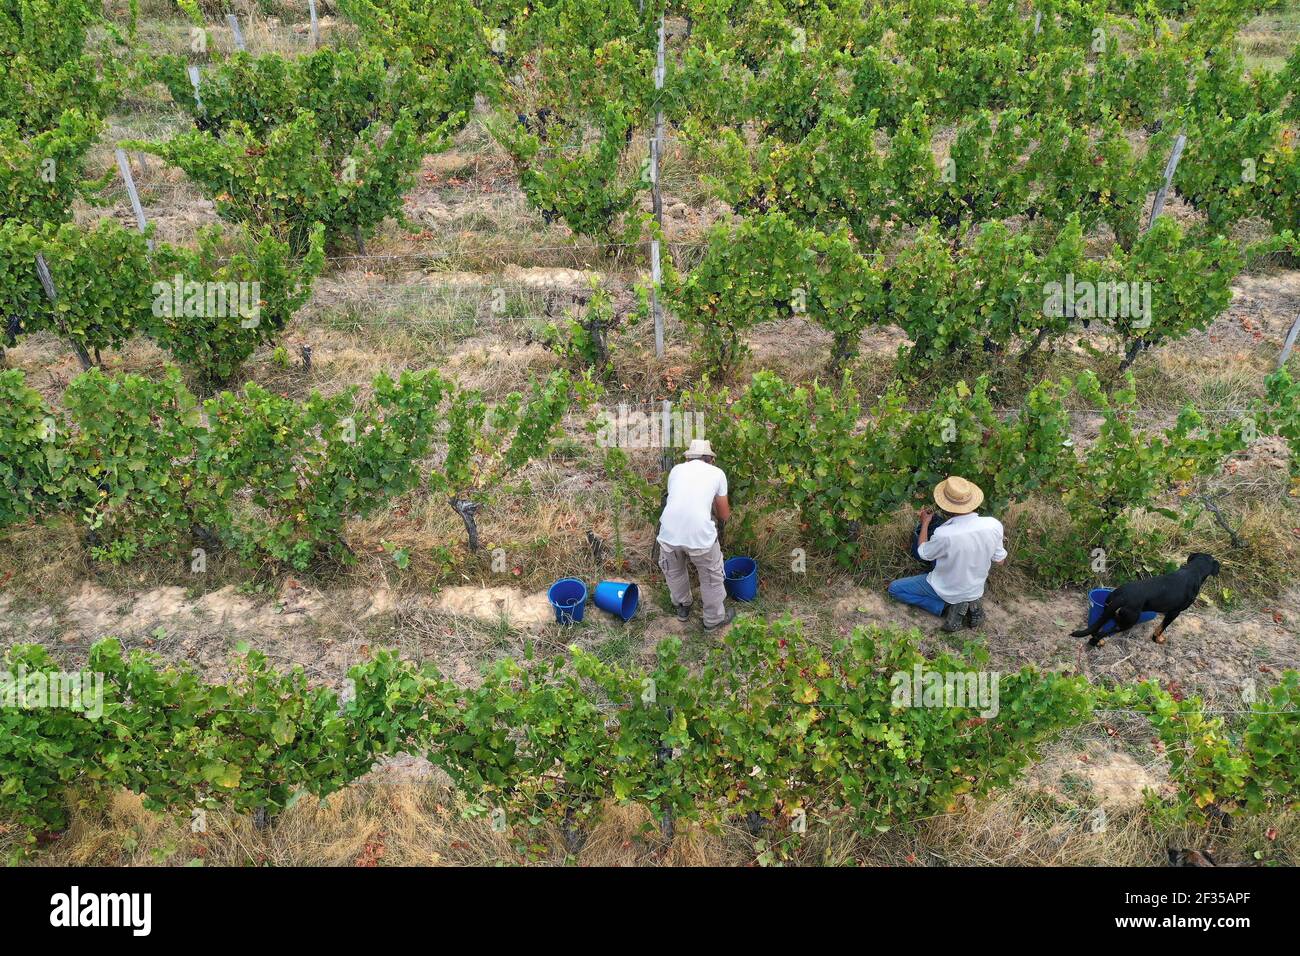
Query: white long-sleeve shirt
x: 963, y: 549
x: 687, y: 521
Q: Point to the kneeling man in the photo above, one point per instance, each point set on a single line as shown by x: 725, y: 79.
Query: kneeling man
x: 963, y: 550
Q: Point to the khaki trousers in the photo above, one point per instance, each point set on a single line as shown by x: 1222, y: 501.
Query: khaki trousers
x: 708, y: 565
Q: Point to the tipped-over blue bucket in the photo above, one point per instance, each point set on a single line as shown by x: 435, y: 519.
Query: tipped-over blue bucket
x: 617, y: 597
x: 569, y: 598
x: 1097, y: 604
x: 741, y: 578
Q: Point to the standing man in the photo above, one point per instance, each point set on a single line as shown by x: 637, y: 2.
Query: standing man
x: 696, y: 492
x: 963, y: 550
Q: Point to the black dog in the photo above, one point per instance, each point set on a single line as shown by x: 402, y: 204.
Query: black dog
x: 1170, y: 594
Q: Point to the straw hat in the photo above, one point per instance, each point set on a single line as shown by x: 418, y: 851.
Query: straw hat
x: 699, y: 449
x: 957, y: 496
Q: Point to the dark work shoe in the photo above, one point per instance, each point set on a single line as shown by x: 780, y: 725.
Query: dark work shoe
x: 683, y: 612
x: 727, y: 619
x: 953, y: 616
x: 975, y: 616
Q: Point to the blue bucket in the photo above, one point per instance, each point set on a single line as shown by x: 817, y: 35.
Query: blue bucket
x: 569, y: 597
x: 741, y: 578
x: 617, y: 597
x: 1097, y: 604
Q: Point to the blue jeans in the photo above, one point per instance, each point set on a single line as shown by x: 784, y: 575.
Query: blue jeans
x: 916, y: 591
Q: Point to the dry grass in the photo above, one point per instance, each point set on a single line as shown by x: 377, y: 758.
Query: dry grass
x: 1268, y: 40
x: 401, y: 818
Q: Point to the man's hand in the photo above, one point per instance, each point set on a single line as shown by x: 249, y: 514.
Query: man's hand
x: 925, y: 514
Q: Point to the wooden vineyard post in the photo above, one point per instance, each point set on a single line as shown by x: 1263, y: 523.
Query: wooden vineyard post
x: 665, y: 464
x: 1158, y: 206
x: 124, y: 167
x: 1290, y: 343
x: 315, y: 23
x: 235, y: 31
x: 616, y: 495
x: 656, y: 156
x: 51, y: 293
x: 666, y: 436
x: 195, y: 80
x: 666, y: 827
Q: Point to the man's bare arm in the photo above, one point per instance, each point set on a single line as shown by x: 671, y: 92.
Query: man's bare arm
x: 722, y: 508
x: 926, y: 515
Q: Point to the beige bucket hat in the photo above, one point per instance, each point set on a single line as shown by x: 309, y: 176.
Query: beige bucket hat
x: 957, y: 496
x: 699, y: 449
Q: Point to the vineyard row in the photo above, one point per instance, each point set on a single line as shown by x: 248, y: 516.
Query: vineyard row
x: 773, y: 725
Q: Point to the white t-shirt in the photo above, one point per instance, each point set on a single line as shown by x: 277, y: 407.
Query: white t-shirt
x: 687, y: 521
x: 963, y: 548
